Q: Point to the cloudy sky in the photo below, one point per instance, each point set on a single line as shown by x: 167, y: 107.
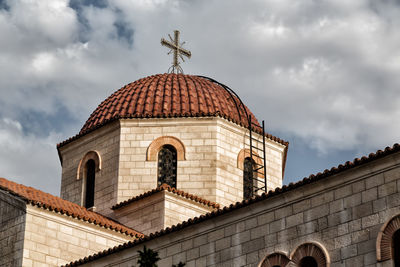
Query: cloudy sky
x: 324, y: 75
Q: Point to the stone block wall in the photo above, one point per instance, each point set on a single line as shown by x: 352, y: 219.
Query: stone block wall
x: 179, y: 209
x: 231, y: 139
x: 158, y: 211
x: 106, y: 142
x: 53, y: 239
x: 195, y: 175
x: 12, y: 227
x: 210, y: 169
x: 343, y: 213
x: 144, y: 215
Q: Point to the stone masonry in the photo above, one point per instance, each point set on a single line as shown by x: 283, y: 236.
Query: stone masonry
x: 209, y: 170
x: 158, y: 211
x: 106, y: 142
x: 12, y: 228
x: 51, y: 239
x: 343, y: 212
x: 210, y: 167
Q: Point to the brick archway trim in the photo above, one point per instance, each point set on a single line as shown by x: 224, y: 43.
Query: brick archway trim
x: 311, y: 249
x: 277, y: 258
x: 384, y: 239
x: 156, y: 145
x: 95, y: 156
x: 244, y: 153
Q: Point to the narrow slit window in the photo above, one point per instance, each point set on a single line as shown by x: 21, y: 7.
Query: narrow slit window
x: 248, y: 178
x: 167, y: 166
x: 90, y: 182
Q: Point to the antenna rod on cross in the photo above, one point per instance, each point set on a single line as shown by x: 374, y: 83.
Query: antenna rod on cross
x: 178, y: 50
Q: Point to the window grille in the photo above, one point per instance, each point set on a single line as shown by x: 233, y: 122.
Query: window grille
x: 167, y: 166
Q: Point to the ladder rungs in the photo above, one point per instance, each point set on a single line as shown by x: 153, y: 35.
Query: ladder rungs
x: 256, y: 148
x: 253, y: 138
x: 261, y: 188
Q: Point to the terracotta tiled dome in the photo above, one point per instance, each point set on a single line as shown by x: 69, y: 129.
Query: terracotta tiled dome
x: 169, y: 95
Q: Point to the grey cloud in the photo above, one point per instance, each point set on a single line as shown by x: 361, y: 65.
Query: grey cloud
x: 322, y: 71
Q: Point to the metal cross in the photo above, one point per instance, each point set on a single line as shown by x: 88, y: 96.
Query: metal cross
x: 178, y: 50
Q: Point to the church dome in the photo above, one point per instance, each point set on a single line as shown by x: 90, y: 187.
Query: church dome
x: 170, y: 95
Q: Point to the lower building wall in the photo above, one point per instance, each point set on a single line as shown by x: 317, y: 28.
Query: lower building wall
x: 12, y: 225
x: 342, y: 213
x: 52, y: 239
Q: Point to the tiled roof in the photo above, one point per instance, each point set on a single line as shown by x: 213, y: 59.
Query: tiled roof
x: 311, y: 179
x: 56, y: 204
x: 170, y: 95
x: 169, y: 189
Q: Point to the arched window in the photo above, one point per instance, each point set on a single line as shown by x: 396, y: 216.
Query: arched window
x: 248, y: 179
x: 277, y: 259
x: 167, y: 166
x: 310, y: 255
x: 90, y: 183
x: 396, y: 248
x: 308, y: 262
x: 388, y: 241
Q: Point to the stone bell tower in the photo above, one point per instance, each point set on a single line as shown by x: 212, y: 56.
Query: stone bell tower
x: 191, y: 120
x: 189, y: 137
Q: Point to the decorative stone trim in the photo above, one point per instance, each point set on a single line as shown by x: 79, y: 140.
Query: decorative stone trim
x: 244, y: 153
x: 384, y: 239
x: 95, y: 156
x: 156, y: 145
x: 274, y: 259
x: 315, y: 250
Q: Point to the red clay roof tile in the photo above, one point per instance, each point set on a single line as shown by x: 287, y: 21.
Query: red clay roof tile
x: 170, y: 95
x: 53, y: 203
x: 169, y: 189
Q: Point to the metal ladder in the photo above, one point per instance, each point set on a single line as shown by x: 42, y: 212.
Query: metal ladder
x: 257, y: 154
x: 256, y: 146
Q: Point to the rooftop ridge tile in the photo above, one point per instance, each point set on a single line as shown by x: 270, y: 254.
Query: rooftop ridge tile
x: 165, y: 187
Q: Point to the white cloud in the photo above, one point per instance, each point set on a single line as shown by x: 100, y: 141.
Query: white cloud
x: 44, y: 21
x: 28, y: 159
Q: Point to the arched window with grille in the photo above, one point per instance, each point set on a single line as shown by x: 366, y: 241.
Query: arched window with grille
x: 167, y: 166
x: 90, y: 169
x: 248, y: 179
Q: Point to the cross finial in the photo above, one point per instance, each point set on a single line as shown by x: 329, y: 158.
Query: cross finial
x: 178, y: 50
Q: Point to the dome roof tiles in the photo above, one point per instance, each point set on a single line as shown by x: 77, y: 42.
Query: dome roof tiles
x: 169, y: 95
